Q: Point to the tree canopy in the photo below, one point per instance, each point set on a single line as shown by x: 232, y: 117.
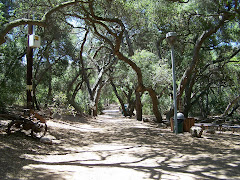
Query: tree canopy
x: 99, y: 51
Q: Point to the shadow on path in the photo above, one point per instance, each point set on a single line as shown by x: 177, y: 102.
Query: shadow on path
x: 113, y: 147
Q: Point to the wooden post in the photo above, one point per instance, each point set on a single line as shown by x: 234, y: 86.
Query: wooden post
x: 29, y: 70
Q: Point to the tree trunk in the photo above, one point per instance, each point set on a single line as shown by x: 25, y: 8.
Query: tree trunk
x: 230, y: 105
x: 154, y: 98
x: 129, y: 43
x: 131, y: 108
x: 49, y: 95
x: 94, y: 111
x: 138, y: 71
x: 131, y: 103
x: 84, y: 73
x: 35, y: 102
x: 75, y: 105
x: 234, y: 109
x: 97, y: 97
x: 195, y: 59
x: 188, y: 94
x: 138, y: 106
x: 71, y: 98
x: 158, y: 46
x: 119, y: 98
x: 187, y: 103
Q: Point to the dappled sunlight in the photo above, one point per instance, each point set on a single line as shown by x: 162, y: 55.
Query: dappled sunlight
x: 73, y: 157
x: 85, y: 172
x: 120, y: 148
x: 81, y: 127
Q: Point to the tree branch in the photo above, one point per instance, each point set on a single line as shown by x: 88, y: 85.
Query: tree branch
x: 195, y: 58
x: 60, y: 6
x: 9, y: 26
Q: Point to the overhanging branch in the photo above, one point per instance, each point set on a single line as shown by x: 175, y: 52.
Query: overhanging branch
x: 9, y: 26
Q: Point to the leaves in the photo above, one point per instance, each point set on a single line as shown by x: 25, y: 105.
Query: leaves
x: 146, y: 23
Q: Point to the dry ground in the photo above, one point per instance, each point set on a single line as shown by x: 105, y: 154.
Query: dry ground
x: 117, y: 148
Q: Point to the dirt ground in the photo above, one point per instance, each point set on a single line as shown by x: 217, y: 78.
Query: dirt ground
x: 117, y: 148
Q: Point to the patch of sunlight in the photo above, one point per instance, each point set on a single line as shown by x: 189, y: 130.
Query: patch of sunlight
x: 102, y: 153
x: 111, y: 111
x: 143, y: 126
x: 72, y: 148
x: 66, y: 158
x: 109, y: 147
x: 89, y: 172
x: 178, y: 176
x: 220, y: 174
x: 194, y: 168
x: 233, y: 165
x: 83, y: 128
x: 115, y: 159
x: 95, y: 147
x: 153, y: 162
x: 176, y: 162
x: 175, y: 165
x: 107, y: 116
x: 196, y: 157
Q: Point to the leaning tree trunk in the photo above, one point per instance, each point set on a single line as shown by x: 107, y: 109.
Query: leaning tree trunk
x: 234, y: 109
x: 154, y: 98
x: 195, y: 59
x: 230, y: 105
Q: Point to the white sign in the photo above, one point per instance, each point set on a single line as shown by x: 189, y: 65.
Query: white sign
x: 34, y: 41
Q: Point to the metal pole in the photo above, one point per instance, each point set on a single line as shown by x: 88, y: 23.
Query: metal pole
x: 174, y: 90
x: 29, y: 70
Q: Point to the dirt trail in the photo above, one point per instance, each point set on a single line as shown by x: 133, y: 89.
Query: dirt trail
x: 113, y: 147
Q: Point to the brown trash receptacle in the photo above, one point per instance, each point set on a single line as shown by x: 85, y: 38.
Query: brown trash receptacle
x: 187, y: 124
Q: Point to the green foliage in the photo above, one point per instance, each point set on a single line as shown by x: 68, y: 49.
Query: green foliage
x: 147, y: 21
x: 61, y: 106
x: 83, y: 101
x: 11, y: 74
x: 156, y: 74
x: 2, y: 18
x: 153, y: 71
x: 6, y: 11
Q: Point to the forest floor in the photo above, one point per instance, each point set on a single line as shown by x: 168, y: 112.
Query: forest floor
x: 117, y: 148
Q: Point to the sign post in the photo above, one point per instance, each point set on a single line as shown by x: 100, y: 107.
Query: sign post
x: 29, y: 70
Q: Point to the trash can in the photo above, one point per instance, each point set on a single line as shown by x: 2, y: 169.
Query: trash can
x: 180, y: 119
x: 188, y: 123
